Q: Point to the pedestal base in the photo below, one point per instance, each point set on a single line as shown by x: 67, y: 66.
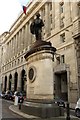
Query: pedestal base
x: 42, y: 109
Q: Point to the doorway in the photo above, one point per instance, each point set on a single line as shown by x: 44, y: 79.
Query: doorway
x: 10, y: 81
x: 5, y: 84
x: 61, y: 86
x: 22, y: 79
x: 15, y: 81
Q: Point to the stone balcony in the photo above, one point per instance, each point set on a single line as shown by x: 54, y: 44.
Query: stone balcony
x: 61, y: 68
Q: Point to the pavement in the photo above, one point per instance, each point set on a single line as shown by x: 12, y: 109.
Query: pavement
x: 15, y: 109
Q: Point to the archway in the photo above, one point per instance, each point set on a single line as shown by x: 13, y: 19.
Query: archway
x: 10, y: 81
x: 15, y: 81
x: 5, y: 84
x: 22, y: 79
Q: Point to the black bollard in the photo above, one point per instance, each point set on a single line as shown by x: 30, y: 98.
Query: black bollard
x: 68, y: 112
x: 19, y: 106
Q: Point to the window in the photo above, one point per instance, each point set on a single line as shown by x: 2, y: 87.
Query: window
x: 58, y: 60
x: 51, y: 18
x: 62, y: 22
x: 50, y: 6
x: 62, y: 59
x: 15, y: 62
x: 21, y: 59
x: 62, y: 37
x: 18, y: 61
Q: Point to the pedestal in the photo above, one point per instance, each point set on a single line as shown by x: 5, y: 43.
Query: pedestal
x: 40, y: 83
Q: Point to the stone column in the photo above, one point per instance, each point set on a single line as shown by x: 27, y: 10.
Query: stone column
x: 9, y: 51
x: 7, y: 83
x: 74, y: 10
x: 11, y: 48
x: 67, y: 14
x: 26, y: 36
x: 19, y: 83
x: 29, y: 34
x: 53, y: 15
x: 12, y: 84
x: 16, y: 44
x: 57, y: 17
x: 19, y: 40
x: 22, y: 43
x: 47, y: 25
x: 21, y: 37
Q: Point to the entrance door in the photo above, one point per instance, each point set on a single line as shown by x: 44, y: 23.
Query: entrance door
x: 61, y: 87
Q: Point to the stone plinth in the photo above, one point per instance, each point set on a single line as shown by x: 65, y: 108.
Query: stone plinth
x: 40, y: 71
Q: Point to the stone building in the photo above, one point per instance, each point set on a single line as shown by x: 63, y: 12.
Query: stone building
x: 62, y: 29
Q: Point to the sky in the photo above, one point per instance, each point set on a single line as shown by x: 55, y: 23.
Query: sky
x: 9, y: 12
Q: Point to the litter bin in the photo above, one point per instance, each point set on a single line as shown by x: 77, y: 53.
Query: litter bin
x: 16, y: 100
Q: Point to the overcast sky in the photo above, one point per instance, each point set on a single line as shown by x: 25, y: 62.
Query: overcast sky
x: 9, y: 11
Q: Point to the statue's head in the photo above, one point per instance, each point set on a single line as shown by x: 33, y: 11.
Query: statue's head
x: 37, y: 15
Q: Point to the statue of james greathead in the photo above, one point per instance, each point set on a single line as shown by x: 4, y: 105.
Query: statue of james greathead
x: 36, y: 27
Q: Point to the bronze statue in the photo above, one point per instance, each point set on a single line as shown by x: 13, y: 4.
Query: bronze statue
x: 36, y: 27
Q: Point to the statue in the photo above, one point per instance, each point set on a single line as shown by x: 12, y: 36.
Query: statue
x: 36, y: 27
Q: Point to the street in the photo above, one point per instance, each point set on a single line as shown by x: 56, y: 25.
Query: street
x: 6, y: 113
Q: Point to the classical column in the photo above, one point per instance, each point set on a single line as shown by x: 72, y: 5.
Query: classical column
x: 19, y: 83
x: 12, y: 84
x: 16, y: 48
x: 29, y: 34
x: 9, y: 51
x: 7, y: 83
x: 19, y: 40
x: 74, y: 10
x: 14, y: 45
x: 57, y: 16
x: 67, y: 15
x: 47, y: 25
x: 11, y: 48
x: 21, y: 37
x: 53, y: 15
x: 26, y: 35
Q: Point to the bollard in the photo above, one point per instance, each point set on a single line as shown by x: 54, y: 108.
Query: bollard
x: 68, y: 112
x: 19, y: 106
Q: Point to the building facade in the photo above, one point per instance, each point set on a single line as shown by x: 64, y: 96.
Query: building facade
x: 62, y: 29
